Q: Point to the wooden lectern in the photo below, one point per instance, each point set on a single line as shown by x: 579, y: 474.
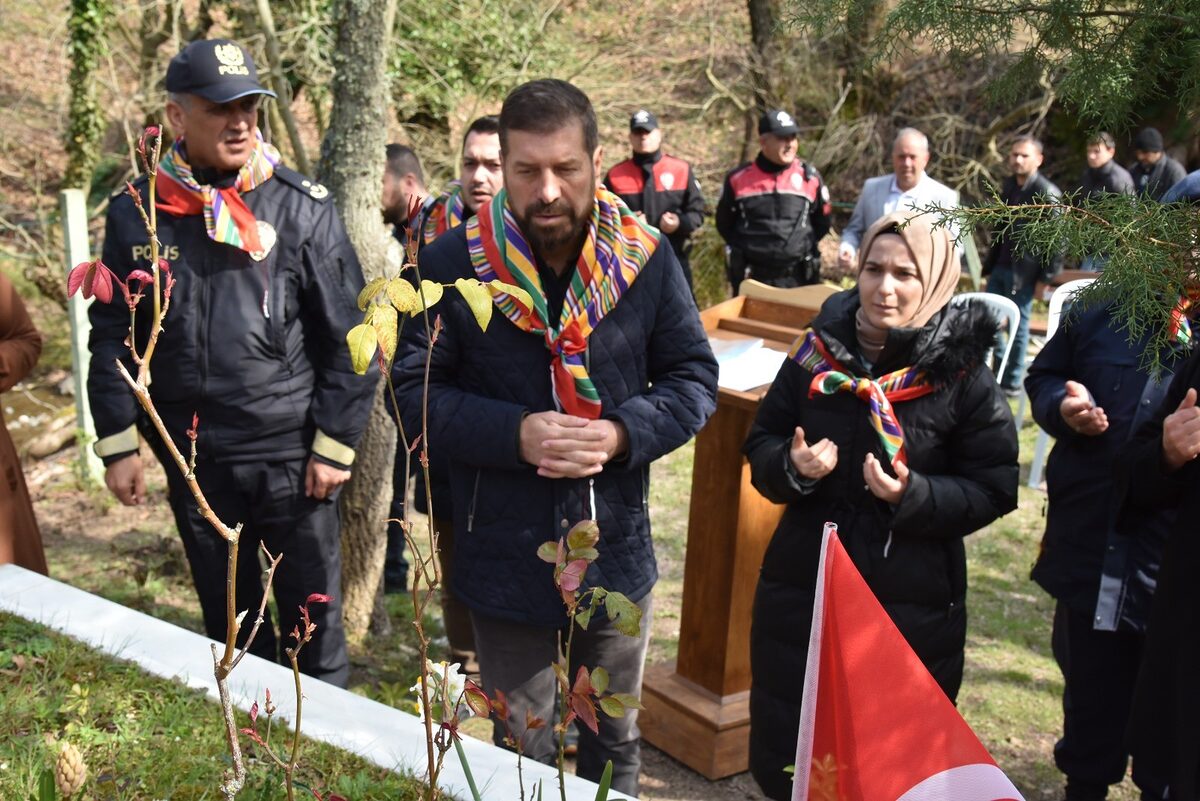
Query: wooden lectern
x: 699, y: 712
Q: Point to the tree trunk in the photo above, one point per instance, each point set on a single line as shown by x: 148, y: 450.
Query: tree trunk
x: 352, y: 167
x: 762, y: 34
x: 86, y: 27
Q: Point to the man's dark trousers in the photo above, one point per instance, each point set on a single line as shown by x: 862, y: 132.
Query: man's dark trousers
x: 1099, y: 668
x: 268, y: 499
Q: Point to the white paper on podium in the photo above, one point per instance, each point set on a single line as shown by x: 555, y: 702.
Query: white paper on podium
x: 745, y: 364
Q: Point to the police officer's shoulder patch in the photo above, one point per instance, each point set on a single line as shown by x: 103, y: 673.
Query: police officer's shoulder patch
x: 308, y: 186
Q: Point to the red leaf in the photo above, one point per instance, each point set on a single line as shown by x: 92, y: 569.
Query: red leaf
x: 583, y: 682
x: 101, y: 284
x: 191, y: 434
x: 415, y: 201
x: 585, y: 710
x: 254, y: 712
x: 477, y: 699
x: 532, y: 721
x: 140, y: 275
x: 318, y: 598
x: 76, y: 276
x: 572, y: 575
x: 500, y: 705
x: 253, y: 735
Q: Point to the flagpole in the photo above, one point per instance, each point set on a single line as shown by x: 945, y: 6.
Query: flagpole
x: 808, y: 703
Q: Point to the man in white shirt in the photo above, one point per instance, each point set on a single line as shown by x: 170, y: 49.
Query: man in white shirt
x: 907, y: 187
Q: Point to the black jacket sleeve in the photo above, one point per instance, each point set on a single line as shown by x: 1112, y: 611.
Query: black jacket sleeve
x: 769, y: 441
x: 691, y: 216
x: 114, y: 409
x: 980, y: 483
x: 1047, y: 382
x: 820, y: 213
x: 726, y: 217
x: 341, y: 400
x: 495, y: 441
x: 681, y: 368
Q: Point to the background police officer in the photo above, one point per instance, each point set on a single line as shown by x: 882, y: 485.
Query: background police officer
x: 660, y: 187
x: 774, y: 210
x: 253, y: 345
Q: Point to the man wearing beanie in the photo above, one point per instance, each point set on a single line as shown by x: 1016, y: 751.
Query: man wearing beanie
x: 253, y: 348
x: 774, y: 210
x: 660, y: 187
x: 1154, y: 172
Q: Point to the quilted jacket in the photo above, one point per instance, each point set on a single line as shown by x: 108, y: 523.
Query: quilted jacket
x: 651, y: 363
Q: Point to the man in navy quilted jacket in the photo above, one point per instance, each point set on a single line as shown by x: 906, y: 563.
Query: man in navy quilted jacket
x: 554, y: 412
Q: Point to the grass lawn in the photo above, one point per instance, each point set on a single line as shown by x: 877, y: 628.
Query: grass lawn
x: 141, y: 737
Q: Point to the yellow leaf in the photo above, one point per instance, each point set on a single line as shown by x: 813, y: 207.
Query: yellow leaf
x: 385, y: 322
x: 516, y: 291
x: 432, y: 293
x: 362, y: 342
x: 369, y: 291
x: 478, y: 298
x: 403, y: 296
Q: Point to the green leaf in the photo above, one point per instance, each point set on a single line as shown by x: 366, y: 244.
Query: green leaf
x: 612, y: 707
x: 403, y: 295
x: 478, y: 298
x: 46, y: 789
x: 462, y: 760
x: 548, y: 552
x: 362, y: 341
x: 605, y: 782
x: 600, y: 680
x: 370, y: 291
x: 585, y: 534
x: 628, y: 701
x: 385, y: 321
x: 515, y: 291
x: 624, y: 613
x: 431, y: 293
x: 586, y: 554
x: 583, y: 616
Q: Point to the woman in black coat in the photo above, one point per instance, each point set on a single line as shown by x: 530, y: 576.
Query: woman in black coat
x: 943, y: 465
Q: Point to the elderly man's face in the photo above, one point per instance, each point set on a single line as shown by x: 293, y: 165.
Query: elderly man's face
x: 778, y: 149
x: 1099, y: 154
x: 909, y: 157
x: 217, y: 135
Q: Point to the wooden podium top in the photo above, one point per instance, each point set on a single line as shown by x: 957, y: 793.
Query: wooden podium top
x: 777, y: 320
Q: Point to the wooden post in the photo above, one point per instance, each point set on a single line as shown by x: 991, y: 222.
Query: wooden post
x: 73, y: 204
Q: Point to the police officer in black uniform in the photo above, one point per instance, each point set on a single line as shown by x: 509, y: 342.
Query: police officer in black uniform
x: 660, y: 187
x: 774, y: 210
x: 253, y: 345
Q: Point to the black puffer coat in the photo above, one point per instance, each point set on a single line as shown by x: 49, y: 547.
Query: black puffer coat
x: 962, y: 451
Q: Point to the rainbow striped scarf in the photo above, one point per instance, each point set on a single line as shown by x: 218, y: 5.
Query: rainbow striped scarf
x: 446, y: 213
x: 879, y: 394
x: 618, y: 246
x: 226, y: 216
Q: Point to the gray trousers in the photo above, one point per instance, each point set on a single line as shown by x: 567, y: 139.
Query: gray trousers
x: 518, y: 659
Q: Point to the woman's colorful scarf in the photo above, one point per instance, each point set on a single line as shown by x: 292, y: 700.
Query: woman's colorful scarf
x: 446, y: 213
x: 618, y: 246
x: 226, y: 216
x: 879, y: 393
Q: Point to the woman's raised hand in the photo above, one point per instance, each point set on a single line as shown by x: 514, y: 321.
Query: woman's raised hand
x: 812, y: 461
x: 883, y: 486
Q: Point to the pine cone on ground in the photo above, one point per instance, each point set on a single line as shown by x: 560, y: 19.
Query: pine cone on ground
x: 70, y: 772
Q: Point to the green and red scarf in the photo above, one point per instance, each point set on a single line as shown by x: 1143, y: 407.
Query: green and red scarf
x: 446, y: 213
x: 617, y: 248
x: 878, y: 393
x: 227, y: 218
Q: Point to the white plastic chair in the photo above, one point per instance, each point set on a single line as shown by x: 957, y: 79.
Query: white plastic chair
x: 1061, y: 297
x: 1006, y: 310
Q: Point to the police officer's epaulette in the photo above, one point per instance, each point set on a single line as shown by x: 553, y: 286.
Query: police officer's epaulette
x: 140, y: 183
x: 308, y: 186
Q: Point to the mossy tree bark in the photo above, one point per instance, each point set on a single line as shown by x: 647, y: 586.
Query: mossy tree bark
x: 352, y: 168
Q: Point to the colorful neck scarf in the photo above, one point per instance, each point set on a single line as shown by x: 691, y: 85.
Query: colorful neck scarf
x: 1180, y: 330
x: 226, y: 216
x: 618, y: 246
x: 446, y: 213
x: 879, y: 394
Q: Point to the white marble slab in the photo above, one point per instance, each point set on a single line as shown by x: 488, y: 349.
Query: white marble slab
x: 385, y: 736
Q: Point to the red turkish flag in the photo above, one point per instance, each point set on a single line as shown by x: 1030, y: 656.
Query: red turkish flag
x: 874, y: 725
